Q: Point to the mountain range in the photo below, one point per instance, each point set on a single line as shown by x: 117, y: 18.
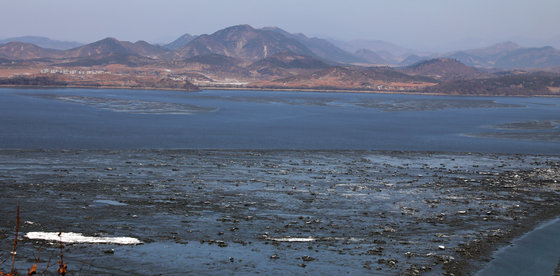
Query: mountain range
x: 272, y: 57
x: 247, y: 43
x: 509, y: 55
x: 43, y: 42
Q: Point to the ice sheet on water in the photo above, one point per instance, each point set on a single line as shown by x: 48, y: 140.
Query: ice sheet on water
x: 108, y: 202
x: 290, y: 239
x: 70, y: 237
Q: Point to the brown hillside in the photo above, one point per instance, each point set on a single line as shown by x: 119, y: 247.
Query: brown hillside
x: 443, y: 69
x: 358, y: 78
x: 20, y: 50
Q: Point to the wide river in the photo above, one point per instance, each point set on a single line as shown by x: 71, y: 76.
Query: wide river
x: 144, y: 119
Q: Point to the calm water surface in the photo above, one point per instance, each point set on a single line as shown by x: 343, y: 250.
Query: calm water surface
x: 132, y: 119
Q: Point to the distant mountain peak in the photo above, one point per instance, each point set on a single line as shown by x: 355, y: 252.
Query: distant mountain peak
x: 108, y: 40
x: 243, y: 42
x: 105, y: 42
x: 236, y: 29
x: 180, y: 42
x: 241, y: 27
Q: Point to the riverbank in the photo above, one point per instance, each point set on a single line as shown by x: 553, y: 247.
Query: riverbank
x: 97, y: 87
x: 370, y: 92
x: 334, y: 90
x: 269, y: 211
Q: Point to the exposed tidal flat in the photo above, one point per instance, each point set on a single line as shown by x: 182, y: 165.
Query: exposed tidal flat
x: 273, y: 182
x: 295, y: 212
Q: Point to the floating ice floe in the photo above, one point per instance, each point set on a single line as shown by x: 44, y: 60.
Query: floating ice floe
x: 108, y: 202
x: 289, y: 239
x: 312, y: 239
x: 69, y: 237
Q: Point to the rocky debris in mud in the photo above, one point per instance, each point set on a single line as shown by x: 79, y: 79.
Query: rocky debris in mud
x: 389, y: 262
x: 376, y: 251
x: 417, y: 270
x: 307, y: 258
x: 344, y: 211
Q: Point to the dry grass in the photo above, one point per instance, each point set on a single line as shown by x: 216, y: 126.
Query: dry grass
x: 63, y: 267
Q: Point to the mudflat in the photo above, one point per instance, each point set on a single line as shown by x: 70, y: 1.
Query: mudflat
x: 273, y: 212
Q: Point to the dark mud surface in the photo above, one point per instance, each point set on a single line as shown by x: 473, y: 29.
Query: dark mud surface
x: 273, y: 212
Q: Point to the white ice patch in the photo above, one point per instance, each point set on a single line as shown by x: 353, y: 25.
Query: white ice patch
x: 69, y: 237
x: 312, y: 239
x: 289, y: 239
x: 109, y: 202
x: 354, y: 194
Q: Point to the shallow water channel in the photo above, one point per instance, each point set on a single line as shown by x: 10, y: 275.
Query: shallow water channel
x: 534, y: 253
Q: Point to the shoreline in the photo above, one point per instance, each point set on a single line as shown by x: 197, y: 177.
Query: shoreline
x: 94, y: 87
x: 525, y: 244
x: 323, y: 90
x: 488, y: 252
x: 306, y: 90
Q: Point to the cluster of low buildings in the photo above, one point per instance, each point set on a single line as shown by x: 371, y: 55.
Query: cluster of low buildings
x: 72, y: 71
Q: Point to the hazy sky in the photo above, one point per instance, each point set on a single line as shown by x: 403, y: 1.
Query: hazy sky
x: 422, y: 24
